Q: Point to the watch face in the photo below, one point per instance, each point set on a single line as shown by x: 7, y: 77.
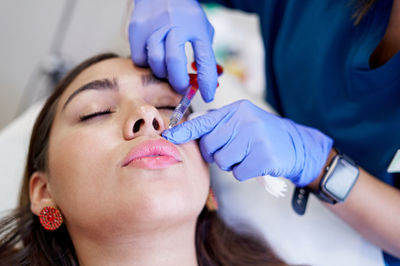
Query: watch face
x: 342, y: 179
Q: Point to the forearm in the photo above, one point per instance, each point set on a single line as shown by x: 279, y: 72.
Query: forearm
x: 373, y: 209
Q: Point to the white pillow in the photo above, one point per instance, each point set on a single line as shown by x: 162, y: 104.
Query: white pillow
x: 14, y: 143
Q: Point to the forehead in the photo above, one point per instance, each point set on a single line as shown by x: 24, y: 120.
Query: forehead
x: 109, y: 68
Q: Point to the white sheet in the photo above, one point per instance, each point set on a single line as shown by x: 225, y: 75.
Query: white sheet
x: 317, y: 238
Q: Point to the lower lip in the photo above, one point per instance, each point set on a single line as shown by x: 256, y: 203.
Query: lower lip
x: 157, y: 162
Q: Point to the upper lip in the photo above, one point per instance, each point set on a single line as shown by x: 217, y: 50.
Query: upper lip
x: 152, y: 147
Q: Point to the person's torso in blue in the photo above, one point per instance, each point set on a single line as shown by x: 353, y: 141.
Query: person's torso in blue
x: 318, y: 74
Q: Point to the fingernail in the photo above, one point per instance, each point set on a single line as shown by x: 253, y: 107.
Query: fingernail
x: 167, y: 134
x: 208, y: 98
x: 171, y: 136
x: 177, y: 136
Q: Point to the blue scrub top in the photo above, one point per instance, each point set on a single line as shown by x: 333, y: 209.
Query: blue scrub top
x: 318, y: 74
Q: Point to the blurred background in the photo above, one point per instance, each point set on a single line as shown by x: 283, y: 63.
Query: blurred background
x: 41, y: 40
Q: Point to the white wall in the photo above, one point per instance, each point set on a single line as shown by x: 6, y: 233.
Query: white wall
x: 27, y: 29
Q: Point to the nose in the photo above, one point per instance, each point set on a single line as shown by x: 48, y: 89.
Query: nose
x: 145, y: 120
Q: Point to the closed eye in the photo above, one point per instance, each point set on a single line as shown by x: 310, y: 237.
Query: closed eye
x: 108, y: 111
x: 166, y: 107
x: 95, y: 114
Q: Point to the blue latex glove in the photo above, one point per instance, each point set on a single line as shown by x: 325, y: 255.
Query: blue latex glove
x: 158, y: 32
x: 252, y: 142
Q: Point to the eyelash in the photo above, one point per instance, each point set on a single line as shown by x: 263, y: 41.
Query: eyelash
x: 108, y: 111
x: 95, y: 114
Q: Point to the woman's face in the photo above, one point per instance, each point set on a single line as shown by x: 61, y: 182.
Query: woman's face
x: 109, y: 167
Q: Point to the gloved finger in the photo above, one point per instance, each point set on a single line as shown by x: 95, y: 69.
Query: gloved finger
x: 207, y: 155
x: 156, y: 52
x: 251, y: 166
x: 176, y: 60
x: 233, y: 152
x: 137, y: 40
x: 214, y: 141
x: 211, y: 32
x: 196, y: 127
x: 206, y: 69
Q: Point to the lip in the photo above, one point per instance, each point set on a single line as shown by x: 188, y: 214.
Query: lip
x: 153, y: 154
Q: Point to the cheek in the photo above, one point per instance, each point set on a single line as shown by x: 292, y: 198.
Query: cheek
x: 197, y: 167
x: 194, y: 155
x: 79, y: 164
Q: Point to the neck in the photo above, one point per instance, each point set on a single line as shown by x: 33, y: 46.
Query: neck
x: 390, y: 43
x: 393, y: 28
x: 175, y: 246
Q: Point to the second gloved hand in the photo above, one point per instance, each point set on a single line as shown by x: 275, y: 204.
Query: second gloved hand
x: 252, y: 142
x: 158, y: 31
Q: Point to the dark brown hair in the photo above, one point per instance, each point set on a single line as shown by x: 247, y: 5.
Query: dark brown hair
x: 23, y: 241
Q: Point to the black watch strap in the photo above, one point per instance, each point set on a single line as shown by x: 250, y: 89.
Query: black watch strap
x: 299, y: 199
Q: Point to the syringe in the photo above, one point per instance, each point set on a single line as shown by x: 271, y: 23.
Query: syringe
x: 183, y: 105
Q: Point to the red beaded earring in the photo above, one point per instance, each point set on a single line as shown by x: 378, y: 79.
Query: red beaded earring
x: 212, y: 203
x: 50, y: 218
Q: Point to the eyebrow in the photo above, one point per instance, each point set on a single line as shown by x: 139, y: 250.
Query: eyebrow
x: 112, y: 84
x: 150, y: 78
x: 103, y: 84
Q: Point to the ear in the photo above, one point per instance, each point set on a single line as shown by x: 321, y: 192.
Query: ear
x: 39, y: 192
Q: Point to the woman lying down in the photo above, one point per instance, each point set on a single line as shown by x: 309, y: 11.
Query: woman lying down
x: 102, y: 187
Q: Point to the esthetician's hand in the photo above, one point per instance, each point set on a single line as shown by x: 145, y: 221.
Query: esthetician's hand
x: 158, y: 31
x: 252, y: 142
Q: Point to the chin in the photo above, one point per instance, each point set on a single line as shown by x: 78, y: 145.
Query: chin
x: 156, y: 212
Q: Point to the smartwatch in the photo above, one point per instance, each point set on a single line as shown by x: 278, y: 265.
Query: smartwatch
x: 338, y: 180
x: 336, y: 184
